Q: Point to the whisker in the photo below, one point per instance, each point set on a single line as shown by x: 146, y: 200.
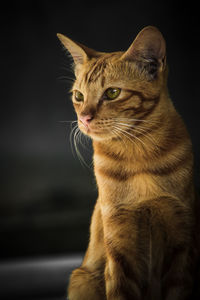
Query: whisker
x: 68, y: 69
x: 132, y: 125
x: 80, y: 157
x: 146, y: 136
x: 125, y: 133
x: 82, y: 141
x: 67, y: 121
x: 118, y: 135
x: 71, y: 138
x: 135, y: 137
x: 149, y: 136
x: 138, y: 120
x: 141, y: 131
x: 66, y: 78
x: 75, y: 139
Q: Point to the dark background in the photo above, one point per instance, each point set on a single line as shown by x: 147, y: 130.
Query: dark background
x: 46, y: 196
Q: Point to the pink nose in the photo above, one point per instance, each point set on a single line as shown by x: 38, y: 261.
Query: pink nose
x: 85, y: 119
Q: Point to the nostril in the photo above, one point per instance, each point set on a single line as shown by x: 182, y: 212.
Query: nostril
x: 89, y: 118
x: 85, y: 119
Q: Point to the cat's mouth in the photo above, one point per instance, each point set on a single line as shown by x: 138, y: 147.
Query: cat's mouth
x: 90, y: 129
x: 94, y: 131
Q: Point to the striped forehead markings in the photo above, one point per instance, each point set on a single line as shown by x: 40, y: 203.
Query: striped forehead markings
x: 97, y: 69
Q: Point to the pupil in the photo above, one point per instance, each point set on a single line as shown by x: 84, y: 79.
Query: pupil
x: 112, y: 93
x: 79, y: 96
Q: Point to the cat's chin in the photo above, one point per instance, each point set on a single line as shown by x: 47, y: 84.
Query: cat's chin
x: 97, y: 136
x: 94, y: 133
x: 100, y: 138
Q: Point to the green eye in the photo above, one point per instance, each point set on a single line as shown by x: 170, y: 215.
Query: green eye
x: 112, y: 93
x: 79, y: 96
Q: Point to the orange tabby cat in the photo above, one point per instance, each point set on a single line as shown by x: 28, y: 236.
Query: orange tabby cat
x: 142, y: 241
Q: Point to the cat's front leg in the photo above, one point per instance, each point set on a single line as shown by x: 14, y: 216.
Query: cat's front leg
x: 147, y: 250
x: 87, y: 282
x: 178, y: 282
x: 126, y: 272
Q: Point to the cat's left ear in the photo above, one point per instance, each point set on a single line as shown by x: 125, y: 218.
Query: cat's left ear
x: 148, y: 50
x: 79, y: 52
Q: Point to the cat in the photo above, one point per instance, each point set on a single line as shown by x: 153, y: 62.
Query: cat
x: 143, y: 240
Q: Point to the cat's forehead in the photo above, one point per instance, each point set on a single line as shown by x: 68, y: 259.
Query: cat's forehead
x: 98, y: 71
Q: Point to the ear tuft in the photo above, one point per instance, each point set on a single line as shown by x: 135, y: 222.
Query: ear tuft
x: 148, y: 50
x: 79, y: 52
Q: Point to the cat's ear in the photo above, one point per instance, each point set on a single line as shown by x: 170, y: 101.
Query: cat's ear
x: 149, y: 50
x: 79, y: 52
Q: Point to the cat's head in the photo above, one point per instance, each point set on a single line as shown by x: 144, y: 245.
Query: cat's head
x: 114, y: 91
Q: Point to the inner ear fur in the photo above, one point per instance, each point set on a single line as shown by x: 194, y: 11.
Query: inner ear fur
x: 79, y: 52
x: 148, y: 50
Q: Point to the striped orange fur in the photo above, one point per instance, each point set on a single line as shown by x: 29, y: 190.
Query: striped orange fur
x: 143, y: 235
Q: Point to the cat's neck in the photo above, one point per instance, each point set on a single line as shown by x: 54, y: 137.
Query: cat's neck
x: 120, y: 151
x: 143, y: 149
x: 137, y: 147
x: 123, y: 166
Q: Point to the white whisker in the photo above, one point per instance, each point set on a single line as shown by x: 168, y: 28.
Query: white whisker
x: 66, y: 122
x: 71, y: 137
x: 75, y: 139
x: 66, y: 78
x: 141, y: 131
x: 119, y: 136
x: 135, y: 137
x: 80, y: 157
x: 83, y: 140
x: 138, y: 120
x: 125, y: 133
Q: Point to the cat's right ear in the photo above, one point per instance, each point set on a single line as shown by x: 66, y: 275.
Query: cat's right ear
x: 148, y: 50
x: 79, y: 52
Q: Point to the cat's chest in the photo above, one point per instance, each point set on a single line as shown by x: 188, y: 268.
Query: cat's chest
x: 122, y: 183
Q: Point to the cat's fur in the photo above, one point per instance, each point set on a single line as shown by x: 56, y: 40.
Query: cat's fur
x: 143, y: 235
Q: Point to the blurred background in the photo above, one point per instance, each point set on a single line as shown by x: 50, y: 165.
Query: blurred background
x: 46, y: 195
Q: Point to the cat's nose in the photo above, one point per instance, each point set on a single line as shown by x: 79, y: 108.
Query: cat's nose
x: 85, y: 119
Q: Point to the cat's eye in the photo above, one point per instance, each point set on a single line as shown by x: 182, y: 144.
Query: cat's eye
x: 112, y: 93
x: 79, y: 96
